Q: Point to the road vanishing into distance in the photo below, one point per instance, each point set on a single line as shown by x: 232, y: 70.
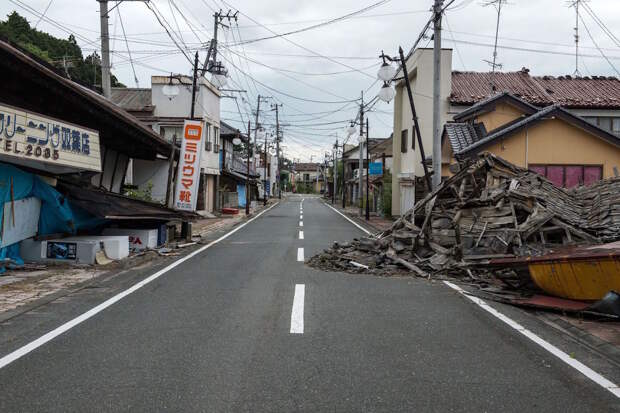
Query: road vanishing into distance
x: 243, y: 325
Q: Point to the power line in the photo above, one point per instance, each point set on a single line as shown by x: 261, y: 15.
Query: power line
x: 596, y: 44
x: 135, y: 77
x: 296, y: 44
x: 322, y: 24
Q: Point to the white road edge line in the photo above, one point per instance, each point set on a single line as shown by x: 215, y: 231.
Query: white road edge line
x: 350, y: 220
x: 33, y: 345
x: 297, y: 313
x: 577, y: 365
x: 300, y: 254
x: 301, y: 235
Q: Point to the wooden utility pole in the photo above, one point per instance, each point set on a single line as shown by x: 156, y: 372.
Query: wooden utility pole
x: 278, y: 150
x: 367, y: 171
x: 247, y: 176
x: 437, y: 10
x: 361, y: 150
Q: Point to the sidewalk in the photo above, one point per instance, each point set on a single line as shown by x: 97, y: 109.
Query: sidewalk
x: 36, y: 284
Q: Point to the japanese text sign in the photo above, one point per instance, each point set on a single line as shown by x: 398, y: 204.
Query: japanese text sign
x: 188, y: 173
x: 30, y: 136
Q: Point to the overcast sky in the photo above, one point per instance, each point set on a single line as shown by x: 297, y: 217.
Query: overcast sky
x: 350, y: 48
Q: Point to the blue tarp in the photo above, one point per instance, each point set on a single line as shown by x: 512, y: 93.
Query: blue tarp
x: 57, y: 215
x: 241, y: 195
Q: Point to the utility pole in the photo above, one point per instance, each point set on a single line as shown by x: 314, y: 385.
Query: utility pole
x: 247, y: 176
x: 211, y: 59
x: 105, y: 49
x: 104, y: 15
x: 367, y: 171
x: 361, y: 150
x: 278, y: 149
x: 265, y: 170
x: 335, y: 172
x: 437, y: 9
x: 194, y: 80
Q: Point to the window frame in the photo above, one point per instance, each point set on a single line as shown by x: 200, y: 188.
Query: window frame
x: 404, y: 134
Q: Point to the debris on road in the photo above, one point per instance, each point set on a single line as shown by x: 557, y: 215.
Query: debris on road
x: 487, y: 211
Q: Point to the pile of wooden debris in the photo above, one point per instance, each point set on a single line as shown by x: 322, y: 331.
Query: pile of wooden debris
x: 489, y: 209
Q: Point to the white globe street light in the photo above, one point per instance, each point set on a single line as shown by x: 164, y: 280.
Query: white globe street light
x: 386, y: 72
x: 236, y: 141
x: 219, y: 80
x: 387, y: 93
x: 170, y: 91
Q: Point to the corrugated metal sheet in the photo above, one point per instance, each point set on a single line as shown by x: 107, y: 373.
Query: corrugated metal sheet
x: 132, y: 99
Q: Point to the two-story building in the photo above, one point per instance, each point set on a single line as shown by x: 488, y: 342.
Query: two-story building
x: 164, y: 107
x: 595, y: 98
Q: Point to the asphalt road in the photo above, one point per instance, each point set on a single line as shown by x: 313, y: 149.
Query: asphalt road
x: 214, y: 335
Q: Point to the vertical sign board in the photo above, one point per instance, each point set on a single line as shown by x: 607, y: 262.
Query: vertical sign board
x: 188, y: 173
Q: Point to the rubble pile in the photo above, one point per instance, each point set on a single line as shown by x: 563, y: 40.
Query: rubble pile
x: 489, y: 209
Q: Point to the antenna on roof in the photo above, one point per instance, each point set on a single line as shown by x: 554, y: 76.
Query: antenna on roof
x: 575, y: 4
x: 494, y: 65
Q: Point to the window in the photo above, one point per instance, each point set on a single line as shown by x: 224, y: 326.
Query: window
x: 216, y: 139
x: 413, y: 138
x: 403, y: 141
x: 207, y: 136
x: 306, y: 177
x: 568, y: 176
x: 615, y: 125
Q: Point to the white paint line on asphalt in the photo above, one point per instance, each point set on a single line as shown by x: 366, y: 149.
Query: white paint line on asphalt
x: 301, y: 217
x: 577, y: 365
x: 297, y: 313
x: 301, y: 223
x: 301, y: 235
x: 33, y: 345
x: 300, y: 254
x: 350, y: 220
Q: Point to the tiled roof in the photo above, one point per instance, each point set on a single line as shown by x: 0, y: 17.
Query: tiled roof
x: 601, y: 92
x: 461, y: 135
x: 596, y: 91
x: 132, y: 99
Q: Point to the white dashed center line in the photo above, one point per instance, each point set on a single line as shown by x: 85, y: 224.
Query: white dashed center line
x: 297, y: 313
x: 300, y: 254
x: 301, y: 235
x: 301, y: 223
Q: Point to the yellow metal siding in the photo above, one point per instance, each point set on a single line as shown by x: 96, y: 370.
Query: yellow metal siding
x: 578, y: 280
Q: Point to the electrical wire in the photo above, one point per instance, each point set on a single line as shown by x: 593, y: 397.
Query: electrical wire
x: 322, y: 24
x: 135, y: 77
x: 596, y: 44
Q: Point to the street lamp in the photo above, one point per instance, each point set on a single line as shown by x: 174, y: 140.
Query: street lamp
x: 219, y: 75
x: 386, y: 72
x: 387, y: 92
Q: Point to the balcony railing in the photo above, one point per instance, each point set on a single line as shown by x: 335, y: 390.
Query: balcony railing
x: 235, y: 163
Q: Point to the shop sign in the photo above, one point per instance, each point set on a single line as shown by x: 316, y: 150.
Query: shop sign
x: 30, y: 136
x: 188, y: 173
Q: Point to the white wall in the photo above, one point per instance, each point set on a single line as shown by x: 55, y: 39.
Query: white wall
x: 207, y: 107
x: 420, y: 65
x: 155, y: 172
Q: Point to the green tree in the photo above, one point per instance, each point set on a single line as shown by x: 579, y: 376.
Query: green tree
x: 63, y: 54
